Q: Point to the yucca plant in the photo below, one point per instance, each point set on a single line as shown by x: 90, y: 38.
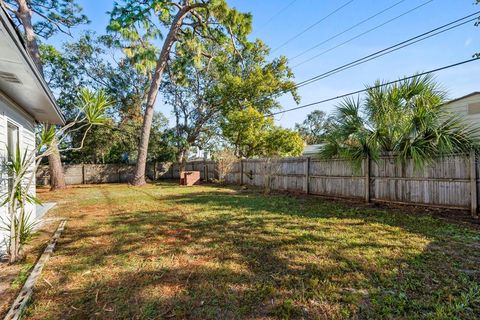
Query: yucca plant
x: 406, y: 119
x: 25, y: 224
x: 22, y: 167
x: 17, y: 198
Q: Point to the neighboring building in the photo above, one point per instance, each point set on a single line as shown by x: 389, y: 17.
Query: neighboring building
x: 24, y: 101
x: 311, y: 150
x: 195, y: 153
x: 468, y: 107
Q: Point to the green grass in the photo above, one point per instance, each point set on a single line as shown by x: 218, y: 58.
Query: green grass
x: 22, y: 275
x: 218, y: 253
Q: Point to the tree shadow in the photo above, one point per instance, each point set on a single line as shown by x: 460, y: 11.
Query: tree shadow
x: 236, y: 255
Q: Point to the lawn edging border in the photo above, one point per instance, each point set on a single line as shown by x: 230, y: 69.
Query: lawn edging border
x: 23, y: 297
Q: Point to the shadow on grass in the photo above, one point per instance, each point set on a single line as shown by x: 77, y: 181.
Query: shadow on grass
x: 234, y: 255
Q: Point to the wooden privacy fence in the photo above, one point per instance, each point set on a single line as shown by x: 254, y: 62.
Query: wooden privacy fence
x: 120, y: 173
x: 450, y: 182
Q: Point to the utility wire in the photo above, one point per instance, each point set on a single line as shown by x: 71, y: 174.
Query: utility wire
x: 363, y: 33
x: 313, y: 25
x: 374, y: 87
x: 277, y: 14
x: 395, y: 47
x: 348, y: 29
x: 426, y: 35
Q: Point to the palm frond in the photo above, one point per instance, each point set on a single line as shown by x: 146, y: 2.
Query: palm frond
x: 94, y: 106
x: 405, y: 119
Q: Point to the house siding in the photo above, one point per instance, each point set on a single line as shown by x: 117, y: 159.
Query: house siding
x: 9, y: 112
x: 460, y: 108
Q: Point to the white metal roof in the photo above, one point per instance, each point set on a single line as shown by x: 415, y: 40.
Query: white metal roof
x: 463, y: 97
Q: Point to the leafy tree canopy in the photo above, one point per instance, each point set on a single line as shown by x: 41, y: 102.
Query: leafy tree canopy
x: 313, y: 128
x: 203, y: 91
x: 94, y: 62
x: 405, y: 118
x: 141, y: 24
x: 50, y: 16
x: 254, y: 135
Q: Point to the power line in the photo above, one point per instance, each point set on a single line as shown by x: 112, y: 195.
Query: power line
x: 348, y: 29
x: 382, y: 54
x: 395, y: 47
x: 374, y: 87
x: 363, y: 33
x: 278, y: 13
x: 426, y: 35
x: 313, y: 25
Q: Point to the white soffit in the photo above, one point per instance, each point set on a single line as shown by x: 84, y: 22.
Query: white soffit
x: 20, y: 82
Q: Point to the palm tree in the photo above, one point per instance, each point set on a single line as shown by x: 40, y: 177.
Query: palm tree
x: 405, y: 119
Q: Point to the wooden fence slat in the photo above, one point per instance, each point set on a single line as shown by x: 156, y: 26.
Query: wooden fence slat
x: 447, y: 182
x: 306, y: 183
x: 473, y: 184
x: 366, y: 170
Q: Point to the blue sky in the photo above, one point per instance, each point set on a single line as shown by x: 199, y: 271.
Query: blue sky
x: 274, y: 27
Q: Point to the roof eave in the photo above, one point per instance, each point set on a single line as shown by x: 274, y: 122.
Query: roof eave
x: 19, y: 44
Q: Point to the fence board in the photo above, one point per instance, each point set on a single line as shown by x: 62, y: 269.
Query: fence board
x: 446, y: 182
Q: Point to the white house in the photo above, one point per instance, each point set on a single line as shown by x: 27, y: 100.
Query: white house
x: 195, y: 153
x: 468, y: 107
x: 25, y: 100
x: 311, y: 150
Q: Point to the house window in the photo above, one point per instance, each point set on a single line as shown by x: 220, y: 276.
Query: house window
x: 12, y: 141
x: 474, y: 108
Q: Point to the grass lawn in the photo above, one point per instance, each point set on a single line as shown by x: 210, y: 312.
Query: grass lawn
x: 170, y: 252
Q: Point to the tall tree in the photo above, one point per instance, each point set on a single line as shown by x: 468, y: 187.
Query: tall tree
x: 204, y: 90
x: 406, y: 119
x: 140, y: 24
x: 313, y: 128
x: 95, y: 62
x: 44, y: 19
x: 253, y: 135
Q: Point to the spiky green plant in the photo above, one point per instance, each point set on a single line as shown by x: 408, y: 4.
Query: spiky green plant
x: 18, y: 197
x: 406, y: 119
x: 22, y: 167
x: 25, y: 224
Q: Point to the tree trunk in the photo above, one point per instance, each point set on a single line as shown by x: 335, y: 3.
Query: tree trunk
x: 139, y: 176
x: 57, y: 177
x: 24, y: 14
x: 182, y: 160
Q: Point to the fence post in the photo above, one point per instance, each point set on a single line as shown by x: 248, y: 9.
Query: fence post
x: 366, y: 166
x: 83, y: 173
x: 241, y: 172
x: 473, y: 184
x: 155, y: 170
x: 306, y: 173
x: 205, y: 171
